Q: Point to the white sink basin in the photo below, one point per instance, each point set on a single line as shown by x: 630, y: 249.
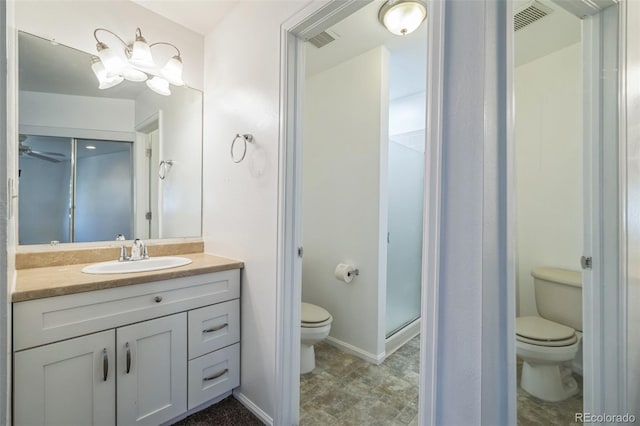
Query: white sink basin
x: 129, y: 266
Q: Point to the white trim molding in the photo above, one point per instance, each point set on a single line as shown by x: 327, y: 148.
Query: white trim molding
x: 401, y: 337
x: 468, y: 345
x: 604, y: 286
x: 308, y: 22
x: 354, y: 350
x: 251, y: 406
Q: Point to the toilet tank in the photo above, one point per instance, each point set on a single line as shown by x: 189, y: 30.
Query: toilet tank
x: 559, y: 295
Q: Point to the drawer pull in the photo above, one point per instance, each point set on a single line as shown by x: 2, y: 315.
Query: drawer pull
x: 128, y: 357
x: 215, y: 376
x: 158, y: 299
x: 105, y: 364
x: 216, y: 328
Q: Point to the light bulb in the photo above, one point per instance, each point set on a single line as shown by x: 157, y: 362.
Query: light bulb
x: 159, y: 85
x: 104, y: 80
x: 172, y: 71
x: 404, y: 17
x: 133, y: 74
x: 113, y: 63
x: 141, y: 55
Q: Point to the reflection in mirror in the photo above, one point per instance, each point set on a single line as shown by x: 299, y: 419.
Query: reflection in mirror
x: 90, y: 159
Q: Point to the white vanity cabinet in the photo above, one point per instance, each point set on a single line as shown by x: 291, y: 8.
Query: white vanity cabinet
x: 135, y: 355
x: 151, y: 381
x: 67, y: 383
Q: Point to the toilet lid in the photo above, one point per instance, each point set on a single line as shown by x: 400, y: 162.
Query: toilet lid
x: 540, y: 329
x: 314, y: 314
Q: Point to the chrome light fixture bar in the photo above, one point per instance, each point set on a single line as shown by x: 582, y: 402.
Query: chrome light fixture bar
x: 136, y: 64
x: 402, y: 17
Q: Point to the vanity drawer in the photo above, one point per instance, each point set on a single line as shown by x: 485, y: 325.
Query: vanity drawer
x: 213, y: 374
x: 41, y: 321
x: 213, y: 327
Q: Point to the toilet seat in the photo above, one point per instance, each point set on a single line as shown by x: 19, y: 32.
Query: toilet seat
x: 542, y: 332
x: 314, y: 316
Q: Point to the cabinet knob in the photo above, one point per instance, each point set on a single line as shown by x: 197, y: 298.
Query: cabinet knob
x: 158, y: 299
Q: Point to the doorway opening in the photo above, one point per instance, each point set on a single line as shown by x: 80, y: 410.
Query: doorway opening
x: 362, y: 177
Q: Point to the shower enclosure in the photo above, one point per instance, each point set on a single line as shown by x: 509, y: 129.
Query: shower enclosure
x: 404, y: 242
x: 405, y: 188
x: 74, y: 190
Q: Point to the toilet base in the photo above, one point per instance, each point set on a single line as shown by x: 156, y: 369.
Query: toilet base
x: 548, y: 382
x: 307, y: 358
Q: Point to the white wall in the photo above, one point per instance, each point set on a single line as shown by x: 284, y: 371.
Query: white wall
x: 180, y: 141
x: 242, y: 80
x: 344, y: 208
x: 549, y: 157
x: 72, y: 23
x: 64, y: 115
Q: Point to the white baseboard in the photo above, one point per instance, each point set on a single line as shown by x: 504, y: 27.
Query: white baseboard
x: 251, y: 406
x: 397, y: 340
x: 354, y: 350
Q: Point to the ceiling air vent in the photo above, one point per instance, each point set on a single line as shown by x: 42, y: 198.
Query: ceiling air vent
x: 324, y: 38
x: 529, y: 14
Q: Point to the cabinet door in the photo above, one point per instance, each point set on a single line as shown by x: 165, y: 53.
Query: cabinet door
x: 67, y: 383
x: 152, y: 370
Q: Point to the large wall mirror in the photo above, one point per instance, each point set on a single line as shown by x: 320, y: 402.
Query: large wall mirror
x: 97, y: 163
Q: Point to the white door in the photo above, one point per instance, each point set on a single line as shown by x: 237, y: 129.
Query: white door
x: 67, y: 383
x: 152, y: 370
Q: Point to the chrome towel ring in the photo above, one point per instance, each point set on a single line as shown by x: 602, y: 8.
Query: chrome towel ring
x: 246, y: 138
x: 164, y: 167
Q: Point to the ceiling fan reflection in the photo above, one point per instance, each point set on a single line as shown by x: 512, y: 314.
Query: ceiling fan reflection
x: 26, y: 150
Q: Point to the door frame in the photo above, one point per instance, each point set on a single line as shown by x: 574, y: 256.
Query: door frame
x: 310, y: 21
x: 305, y: 24
x: 604, y: 306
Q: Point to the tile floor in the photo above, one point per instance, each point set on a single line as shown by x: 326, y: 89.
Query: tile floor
x: 345, y: 390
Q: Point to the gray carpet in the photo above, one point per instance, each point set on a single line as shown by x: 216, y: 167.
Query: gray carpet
x: 228, y: 412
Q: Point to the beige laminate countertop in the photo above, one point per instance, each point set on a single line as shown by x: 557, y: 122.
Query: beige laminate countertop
x: 38, y: 283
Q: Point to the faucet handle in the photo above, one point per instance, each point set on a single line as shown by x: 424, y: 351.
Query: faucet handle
x: 123, y: 254
x: 120, y: 237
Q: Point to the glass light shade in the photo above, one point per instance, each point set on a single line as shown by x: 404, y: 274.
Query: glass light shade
x: 133, y: 74
x: 141, y: 55
x: 104, y: 81
x: 159, y: 85
x: 404, y: 17
x: 113, y: 63
x: 172, y: 71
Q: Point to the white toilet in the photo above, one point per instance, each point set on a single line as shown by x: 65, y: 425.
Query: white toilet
x: 548, y: 343
x: 315, y: 327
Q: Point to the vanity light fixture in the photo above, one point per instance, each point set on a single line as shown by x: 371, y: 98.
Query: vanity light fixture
x: 402, y: 17
x: 112, y: 67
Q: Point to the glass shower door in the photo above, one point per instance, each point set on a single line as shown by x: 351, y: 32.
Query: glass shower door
x: 104, y: 190
x: 404, y: 242
x: 45, y: 193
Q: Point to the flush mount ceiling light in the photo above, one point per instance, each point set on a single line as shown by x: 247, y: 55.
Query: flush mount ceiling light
x: 135, y: 63
x: 402, y: 17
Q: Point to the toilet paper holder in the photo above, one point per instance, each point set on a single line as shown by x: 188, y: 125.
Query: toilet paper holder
x: 355, y: 272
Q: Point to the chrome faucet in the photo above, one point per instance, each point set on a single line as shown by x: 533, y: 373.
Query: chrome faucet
x: 123, y: 250
x: 139, y: 250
